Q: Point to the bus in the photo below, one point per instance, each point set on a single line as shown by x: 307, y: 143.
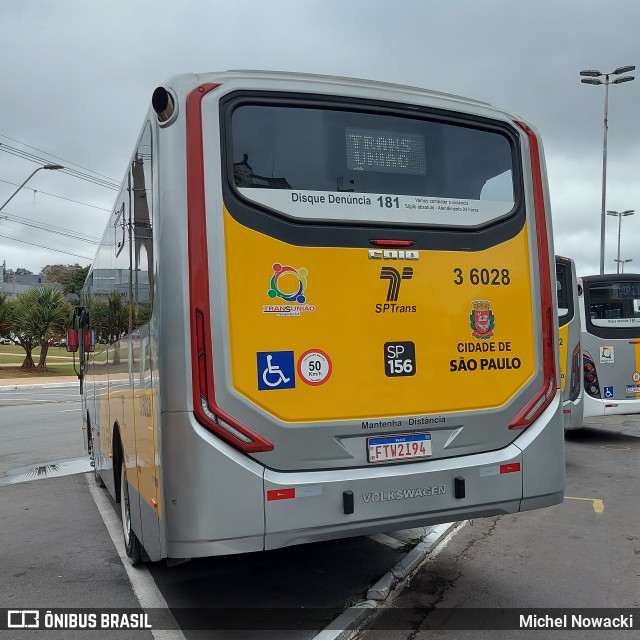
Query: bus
x: 610, y: 314
x: 569, y: 343
x: 321, y: 307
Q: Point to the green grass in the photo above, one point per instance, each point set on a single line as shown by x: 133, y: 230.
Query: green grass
x: 59, y: 363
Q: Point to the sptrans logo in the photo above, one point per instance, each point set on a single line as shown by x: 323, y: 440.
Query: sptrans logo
x: 289, y: 285
x: 395, y: 278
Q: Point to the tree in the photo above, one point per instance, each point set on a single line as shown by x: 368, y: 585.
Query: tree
x: 75, y: 280
x: 43, y: 315
x: 5, y: 314
x: 9, y: 273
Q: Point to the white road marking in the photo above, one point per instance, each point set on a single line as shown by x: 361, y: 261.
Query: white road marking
x: 143, y: 585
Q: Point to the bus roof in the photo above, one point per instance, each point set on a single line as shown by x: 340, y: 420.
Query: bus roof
x: 199, y: 78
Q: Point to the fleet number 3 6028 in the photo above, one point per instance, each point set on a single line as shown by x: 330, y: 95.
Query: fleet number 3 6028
x: 494, y: 277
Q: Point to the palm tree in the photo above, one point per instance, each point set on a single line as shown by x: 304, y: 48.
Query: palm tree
x: 5, y: 314
x: 43, y: 314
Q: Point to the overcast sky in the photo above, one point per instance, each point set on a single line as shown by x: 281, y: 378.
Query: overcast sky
x: 77, y: 77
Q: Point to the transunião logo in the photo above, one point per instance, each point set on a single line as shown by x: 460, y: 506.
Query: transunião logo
x: 607, y: 355
x: 288, y: 285
x: 481, y: 320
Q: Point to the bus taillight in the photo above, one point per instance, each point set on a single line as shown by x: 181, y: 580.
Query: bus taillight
x: 209, y: 414
x: 574, y: 389
x: 591, y: 385
x: 549, y: 384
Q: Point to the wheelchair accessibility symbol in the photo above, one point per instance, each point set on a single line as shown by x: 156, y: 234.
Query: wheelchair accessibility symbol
x: 276, y: 370
x: 608, y: 392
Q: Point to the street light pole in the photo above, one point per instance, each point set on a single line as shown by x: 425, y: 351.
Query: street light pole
x: 620, y: 215
x: 623, y: 261
x: 51, y: 167
x: 593, y: 77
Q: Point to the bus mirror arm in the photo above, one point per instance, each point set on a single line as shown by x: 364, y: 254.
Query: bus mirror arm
x: 80, y: 339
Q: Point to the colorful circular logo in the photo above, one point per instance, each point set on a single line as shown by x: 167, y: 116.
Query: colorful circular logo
x: 635, y: 376
x: 282, y: 272
x: 314, y: 367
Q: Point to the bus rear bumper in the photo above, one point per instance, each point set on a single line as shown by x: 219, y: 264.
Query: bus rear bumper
x: 313, y: 506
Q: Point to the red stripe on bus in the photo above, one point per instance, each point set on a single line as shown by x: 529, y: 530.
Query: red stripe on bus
x: 510, y: 468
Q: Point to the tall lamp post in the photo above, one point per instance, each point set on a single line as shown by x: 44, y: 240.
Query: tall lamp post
x: 51, y: 167
x: 593, y: 77
x: 620, y: 215
x: 623, y: 261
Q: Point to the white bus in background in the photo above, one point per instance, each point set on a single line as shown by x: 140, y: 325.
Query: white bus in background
x: 610, y: 314
x: 340, y: 317
x: 569, y: 334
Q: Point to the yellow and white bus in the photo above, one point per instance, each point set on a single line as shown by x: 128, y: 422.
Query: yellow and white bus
x: 329, y: 309
x: 610, y: 310
x: 569, y: 343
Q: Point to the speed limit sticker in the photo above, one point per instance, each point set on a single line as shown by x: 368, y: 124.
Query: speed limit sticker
x: 314, y: 367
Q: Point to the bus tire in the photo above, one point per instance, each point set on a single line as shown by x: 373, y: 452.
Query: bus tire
x: 96, y: 474
x: 94, y: 456
x: 131, y: 542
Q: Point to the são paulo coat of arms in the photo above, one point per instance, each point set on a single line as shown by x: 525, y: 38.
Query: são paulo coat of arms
x: 481, y: 319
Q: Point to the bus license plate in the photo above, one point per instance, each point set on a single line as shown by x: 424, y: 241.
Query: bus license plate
x: 407, y: 446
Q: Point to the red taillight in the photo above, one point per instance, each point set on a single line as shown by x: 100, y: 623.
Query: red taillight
x: 574, y: 390
x: 201, y: 355
x: 546, y: 394
x: 392, y: 243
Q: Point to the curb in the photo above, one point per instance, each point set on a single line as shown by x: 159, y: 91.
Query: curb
x: 353, y: 619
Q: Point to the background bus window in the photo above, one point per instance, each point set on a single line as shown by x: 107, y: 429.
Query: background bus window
x: 563, y: 278
x: 614, y: 303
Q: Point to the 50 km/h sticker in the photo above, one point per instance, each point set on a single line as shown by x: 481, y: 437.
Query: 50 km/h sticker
x: 314, y: 367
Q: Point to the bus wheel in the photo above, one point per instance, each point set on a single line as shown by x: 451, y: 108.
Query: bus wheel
x: 131, y: 542
x: 96, y: 474
x: 94, y: 458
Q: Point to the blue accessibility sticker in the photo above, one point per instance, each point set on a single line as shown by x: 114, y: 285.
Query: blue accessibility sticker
x: 276, y: 370
x: 608, y: 392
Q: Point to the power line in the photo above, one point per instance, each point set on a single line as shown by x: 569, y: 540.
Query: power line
x: 24, y: 144
x: 43, y: 226
x: 72, y: 172
x: 53, y: 195
x: 45, y: 247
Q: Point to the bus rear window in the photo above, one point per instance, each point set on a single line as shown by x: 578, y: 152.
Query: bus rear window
x: 335, y: 164
x: 614, y: 304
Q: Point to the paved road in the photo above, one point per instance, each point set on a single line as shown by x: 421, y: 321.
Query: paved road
x: 582, y: 553
x: 57, y: 549
x: 38, y: 427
